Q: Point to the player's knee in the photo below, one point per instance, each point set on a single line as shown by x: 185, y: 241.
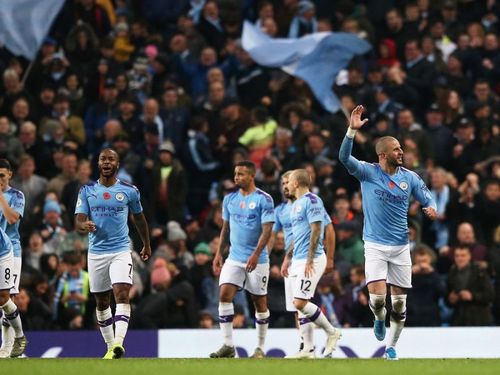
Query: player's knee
x: 398, y: 307
x: 299, y: 304
x: 377, y: 301
x: 4, y: 297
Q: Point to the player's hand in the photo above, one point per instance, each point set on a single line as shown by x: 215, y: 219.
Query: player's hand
x: 430, y: 212
x: 252, y: 262
x: 309, y: 270
x: 146, y: 253
x: 217, y: 263
x: 356, y: 122
x: 89, y: 226
x: 329, y: 267
x: 284, y: 266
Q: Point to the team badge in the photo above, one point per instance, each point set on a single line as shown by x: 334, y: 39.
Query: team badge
x: 106, y: 196
x: 298, y: 209
x: 252, y: 205
x: 242, y: 204
x: 78, y: 202
x: 119, y: 197
x: 403, y: 185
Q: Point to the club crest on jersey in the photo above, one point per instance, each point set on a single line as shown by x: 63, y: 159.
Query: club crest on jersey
x: 120, y: 197
x: 392, y: 185
x: 403, y: 185
x: 242, y: 204
x: 252, y: 205
x: 78, y: 202
x: 106, y: 196
x: 298, y: 208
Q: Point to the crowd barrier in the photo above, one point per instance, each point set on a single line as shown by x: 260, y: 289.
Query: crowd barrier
x: 467, y: 342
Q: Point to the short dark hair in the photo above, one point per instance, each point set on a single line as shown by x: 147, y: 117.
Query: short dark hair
x: 4, y: 163
x: 247, y: 164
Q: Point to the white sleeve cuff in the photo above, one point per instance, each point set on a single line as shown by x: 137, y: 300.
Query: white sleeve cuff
x: 351, y: 133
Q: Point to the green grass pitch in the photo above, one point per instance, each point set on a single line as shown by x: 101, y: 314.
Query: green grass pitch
x: 135, y: 366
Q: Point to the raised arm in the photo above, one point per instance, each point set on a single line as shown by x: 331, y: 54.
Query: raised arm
x: 352, y: 164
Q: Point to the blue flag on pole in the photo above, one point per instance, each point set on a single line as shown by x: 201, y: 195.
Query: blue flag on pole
x: 25, y: 23
x: 315, y: 58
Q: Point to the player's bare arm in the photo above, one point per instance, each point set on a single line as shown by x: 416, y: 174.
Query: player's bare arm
x: 83, y: 224
x: 223, y: 246
x: 330, y: 247
x: 313, y: 245
x: 11, y: 215
x: 286, y: 260
x: 263, y: 240
x: 142, y: 227
x: 355, y: 122
x: 272, y: 240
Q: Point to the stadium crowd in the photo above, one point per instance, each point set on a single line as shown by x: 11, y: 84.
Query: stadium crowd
x: 167, y: 84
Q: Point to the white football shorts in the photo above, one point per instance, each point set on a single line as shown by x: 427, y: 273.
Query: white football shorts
x: 16, y: 274
x: 254, y: 282
x: 389, y: 263
x: 303, y: 287
x: 7, y: 271
x: 108, y: 269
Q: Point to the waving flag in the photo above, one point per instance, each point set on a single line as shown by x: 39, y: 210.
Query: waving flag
x: 25, y: 23
x: 316, y: 58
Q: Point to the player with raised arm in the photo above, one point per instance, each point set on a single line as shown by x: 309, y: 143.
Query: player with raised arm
x: 284, y: 223
x: 248, y: 215
x: 309, y: 261
x: 386, y: 189
x: 12, y: 209
x: 102, y: 211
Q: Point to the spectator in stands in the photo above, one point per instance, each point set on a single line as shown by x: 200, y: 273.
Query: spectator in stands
x: 427, y: 289
x: 470, y: 292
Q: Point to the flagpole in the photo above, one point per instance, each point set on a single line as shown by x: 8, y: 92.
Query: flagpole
x: 28, y: 71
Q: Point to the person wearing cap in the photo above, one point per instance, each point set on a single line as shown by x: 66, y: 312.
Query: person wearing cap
x: 130, y: 162
x: 99, y: 113
x: 305, y: 21
x: 12, y: 204
x: 440, y: 136
x: 200, y: 163
x: 175, y: 118
x: 387, y: 188
x: 169, y: 186
x: 122, y: 45
x: 52, y: 229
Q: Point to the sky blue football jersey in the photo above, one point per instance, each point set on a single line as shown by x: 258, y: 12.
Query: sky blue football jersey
x: 108, y: 208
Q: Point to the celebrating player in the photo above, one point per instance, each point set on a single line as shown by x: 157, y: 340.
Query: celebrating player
x: 387, y: 188
x: 283, y: 222
x: 248, y: 219
x: 102, y: 211
x: 12, y: 206
x: 308, y: 260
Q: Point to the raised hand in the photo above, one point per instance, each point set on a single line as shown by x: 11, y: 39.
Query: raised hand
x: 356, y: 122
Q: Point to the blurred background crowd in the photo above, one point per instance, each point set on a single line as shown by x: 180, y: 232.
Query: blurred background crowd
x: 168, y: 85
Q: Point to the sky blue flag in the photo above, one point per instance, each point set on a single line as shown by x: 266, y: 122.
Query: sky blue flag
x: 316, y: 58
x: 25, y: 23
